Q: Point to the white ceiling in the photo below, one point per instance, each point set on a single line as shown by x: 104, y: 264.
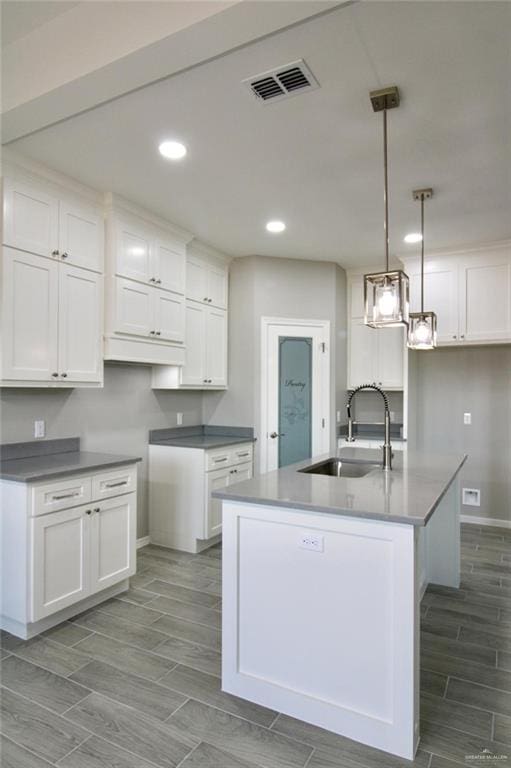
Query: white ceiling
x: 315, y: 160
x: 20, y: 17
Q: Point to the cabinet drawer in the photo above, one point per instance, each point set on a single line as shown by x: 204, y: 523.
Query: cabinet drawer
x: 218, y: 458
x: 114, y: 482
x: 61, y: 494
x: 229, y: 456
x: 242, y: 453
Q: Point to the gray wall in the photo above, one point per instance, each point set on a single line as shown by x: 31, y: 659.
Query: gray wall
x: 261, y: 286
x: 115, y: 419
x: 446, y: 383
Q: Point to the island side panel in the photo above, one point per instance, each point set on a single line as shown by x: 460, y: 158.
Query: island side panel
x: 443, y: 540
x: 330, y: 636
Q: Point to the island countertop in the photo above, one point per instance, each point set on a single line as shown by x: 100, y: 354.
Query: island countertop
x: 409, y: 493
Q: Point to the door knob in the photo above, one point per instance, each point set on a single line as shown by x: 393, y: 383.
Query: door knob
x: 273, y: 435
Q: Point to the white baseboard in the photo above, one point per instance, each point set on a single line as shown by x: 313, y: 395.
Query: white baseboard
x: 143, y: 542
x: 486, y: 521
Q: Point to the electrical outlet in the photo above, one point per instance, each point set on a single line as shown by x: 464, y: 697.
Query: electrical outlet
x: 471, y: 497
x: 39, y: 428
x: 179, y: 419
x: 467, y: 418
x: 311, y: 541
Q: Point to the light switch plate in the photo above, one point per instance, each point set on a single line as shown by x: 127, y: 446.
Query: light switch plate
x: 467, y: 418
x: 179, y: 419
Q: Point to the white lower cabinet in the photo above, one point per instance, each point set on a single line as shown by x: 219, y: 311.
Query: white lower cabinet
x: 58, y: 562
x: 182, y: 513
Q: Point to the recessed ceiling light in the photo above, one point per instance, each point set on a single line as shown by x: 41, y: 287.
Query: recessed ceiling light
x: 275, y: 226
x: 172, y: 150
x: 413, y: 237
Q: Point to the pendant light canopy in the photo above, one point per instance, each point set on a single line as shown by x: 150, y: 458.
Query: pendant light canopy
x: 422, y: 328
x: 386, y: 293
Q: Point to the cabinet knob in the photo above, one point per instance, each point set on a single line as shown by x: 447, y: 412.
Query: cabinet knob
x: 205, y: 298
x: 152, y: 333
x: 97, y: 509
x: 204, y: 381
x: 462, y: 336
x: 455, y: 337
x: 152, y: 279
x: 55, y: 375
x: 210, y: 381
x: 157, y: 333
x: 55, y: 252
x: 65, y: 255
x: 158, y: 282
x: 210, y: 300
x: 88, y: 511
x: 64, y: 375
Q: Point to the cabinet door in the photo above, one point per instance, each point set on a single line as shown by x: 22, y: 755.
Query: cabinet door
x: 134, y: 308
x: 29, y: 316
x: 169, y: 266
x: 217, y: 287
x: 390, y: 358
x: 197, y: 281
x: 241, y: 472
x: 362, y: 354
x: 485, y: 292
x: 80, y: 324
x: 169, y: 316
x: 31, y: 217
x: 194, y: 370
x: 215, y: 480
x: 440, y: 296
x: 216, y: 347
x: 61, y: 560
x: 81, y: 236
x: 113, y: 541
x: 133, y: 252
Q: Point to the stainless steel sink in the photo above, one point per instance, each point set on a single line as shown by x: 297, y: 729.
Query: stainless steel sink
x: 340, y: 468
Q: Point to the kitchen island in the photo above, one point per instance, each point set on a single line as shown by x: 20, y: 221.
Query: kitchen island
x: 322, y: 582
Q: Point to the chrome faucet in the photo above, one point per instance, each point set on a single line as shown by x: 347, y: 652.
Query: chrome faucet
x: 387, y: 447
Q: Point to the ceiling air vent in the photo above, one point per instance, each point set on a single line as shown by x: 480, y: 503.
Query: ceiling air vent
x: 282, y: 82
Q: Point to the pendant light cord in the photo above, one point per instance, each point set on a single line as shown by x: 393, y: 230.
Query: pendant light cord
x: 386, y: 190
x: 422, y: 253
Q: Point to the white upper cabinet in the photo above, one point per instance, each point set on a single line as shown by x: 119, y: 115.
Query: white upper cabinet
x: 48, y: 223
x: 216, y: 347
x: 31, y: 217
x: 81, y: 236
x: 80, y: 324
x: 169, y: 265
x: 440, y: 296
x: 376, y: 356
x: 29, y: 317
x: 206, y: 283
x: 169, y: 316
x: 194, y: 370
x: 133, y: 252
x: 485, y: 299
x: 470, y: 293
x: 134, y: 311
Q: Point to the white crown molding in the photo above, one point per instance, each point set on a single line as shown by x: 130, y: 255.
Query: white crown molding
x: 203, y: 250
x: 114, y: 203
x: 14, y: 163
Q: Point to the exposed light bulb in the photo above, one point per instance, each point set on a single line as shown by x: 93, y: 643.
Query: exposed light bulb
x: 422, y: 333
x: 387, y: 302
x: 413, y: 237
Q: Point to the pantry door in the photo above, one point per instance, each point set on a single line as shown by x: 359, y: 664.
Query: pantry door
x: 295, y: 402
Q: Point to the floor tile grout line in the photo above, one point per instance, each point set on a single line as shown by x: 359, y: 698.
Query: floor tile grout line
x: 308, y: 761
x: 189, y: 754
x: 73, y: 750
x: 152, y: 624
x: 47, y: 669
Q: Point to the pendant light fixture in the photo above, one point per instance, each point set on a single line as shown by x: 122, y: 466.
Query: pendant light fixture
x: 422, y: 328
x: 386, y: 293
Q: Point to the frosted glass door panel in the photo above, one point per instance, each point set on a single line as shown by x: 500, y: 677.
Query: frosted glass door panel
x: 295, y: 399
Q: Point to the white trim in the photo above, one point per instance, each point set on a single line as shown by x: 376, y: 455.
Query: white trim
x: 266, y: 324
x: 143, y: 542
x: 495, y: 521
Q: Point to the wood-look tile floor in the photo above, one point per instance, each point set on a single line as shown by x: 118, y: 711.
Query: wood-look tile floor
x: 134, y: 683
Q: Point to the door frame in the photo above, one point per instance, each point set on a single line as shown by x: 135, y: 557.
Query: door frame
x: 323, y: 396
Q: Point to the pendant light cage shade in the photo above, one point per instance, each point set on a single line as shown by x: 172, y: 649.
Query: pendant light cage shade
x: 422, y: 330
x: 386, y: 299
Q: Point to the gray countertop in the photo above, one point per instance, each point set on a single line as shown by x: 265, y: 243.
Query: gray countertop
x: 409, y: 493
x: 201, y: 436
x: 52, y: 459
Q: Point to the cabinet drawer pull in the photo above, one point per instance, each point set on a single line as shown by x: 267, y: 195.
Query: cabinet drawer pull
x: 217, y: 461
x: 65, y: 496
x: 243, y: 454
x: 116, y: 485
